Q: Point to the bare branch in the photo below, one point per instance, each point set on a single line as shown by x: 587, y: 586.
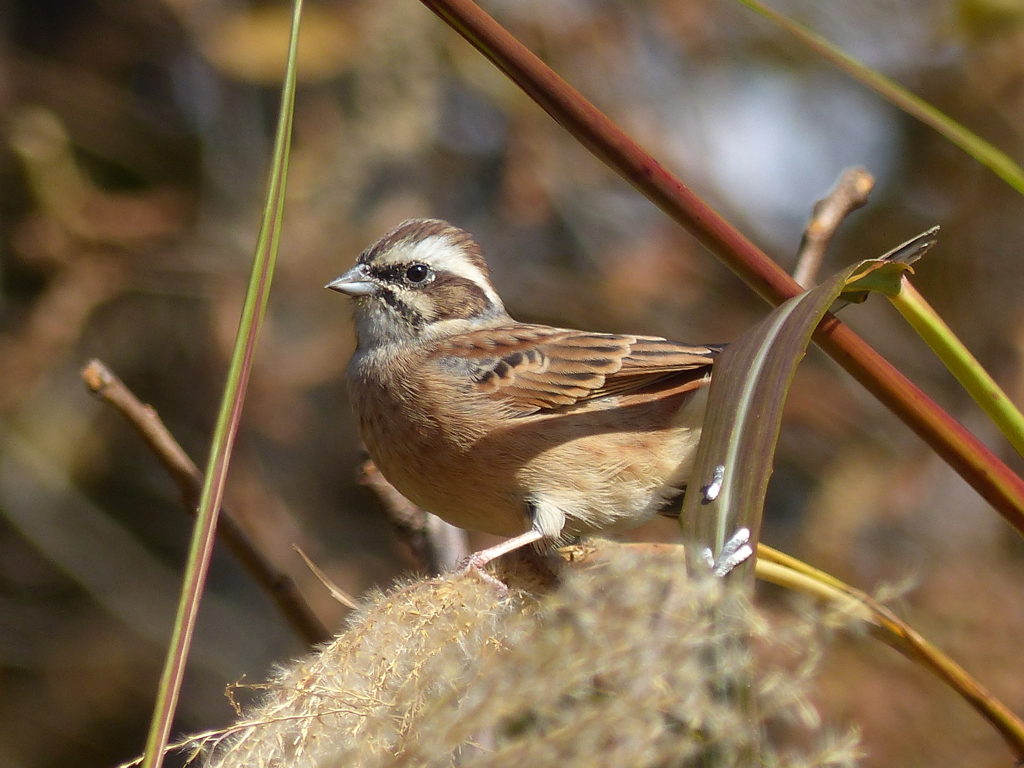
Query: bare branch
x: 850, y: 193
x: 281, y: 588
x: 436, y: 545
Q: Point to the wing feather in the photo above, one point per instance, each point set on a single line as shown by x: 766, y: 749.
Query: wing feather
x: 535, y: 367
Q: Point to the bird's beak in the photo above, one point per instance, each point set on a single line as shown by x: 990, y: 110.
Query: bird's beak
x: 355, y: 282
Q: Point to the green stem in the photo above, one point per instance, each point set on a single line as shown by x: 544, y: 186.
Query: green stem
x: 230, y: 413
x: 961, y: 363
x: 985, y: 153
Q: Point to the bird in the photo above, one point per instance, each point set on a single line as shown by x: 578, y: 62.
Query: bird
x: 531, y: 432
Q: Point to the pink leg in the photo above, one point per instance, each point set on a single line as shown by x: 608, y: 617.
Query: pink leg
x: 479, y: 559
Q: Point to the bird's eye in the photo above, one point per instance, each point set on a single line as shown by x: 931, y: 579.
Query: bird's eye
x: 417, y: 273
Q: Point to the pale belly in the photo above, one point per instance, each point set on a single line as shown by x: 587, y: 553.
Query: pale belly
x: 585, y: 471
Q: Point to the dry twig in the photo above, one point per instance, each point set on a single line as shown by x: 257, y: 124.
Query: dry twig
x: 850, y: 193
x: 281, y: 587
x: 436, y: 545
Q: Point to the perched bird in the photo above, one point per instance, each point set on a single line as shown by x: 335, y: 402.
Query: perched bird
x: 515, y: 429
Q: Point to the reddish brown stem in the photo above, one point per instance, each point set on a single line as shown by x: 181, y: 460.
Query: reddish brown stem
x: 963, y: 451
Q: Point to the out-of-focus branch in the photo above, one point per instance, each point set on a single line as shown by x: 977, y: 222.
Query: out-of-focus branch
x: 979, y: 466
x: 436, y: 545
x: 84, y: 238
x: 281, y: 587
x: 67, y: 194
x: 850, y: 193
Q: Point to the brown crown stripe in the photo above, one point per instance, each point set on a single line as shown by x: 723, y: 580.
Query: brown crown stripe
x: 417, y: 230
x: 410, y: 231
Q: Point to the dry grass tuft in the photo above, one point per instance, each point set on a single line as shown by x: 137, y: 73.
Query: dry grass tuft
x: 625, y: 663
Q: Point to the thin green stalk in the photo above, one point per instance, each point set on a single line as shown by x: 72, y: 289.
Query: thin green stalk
x: 786, y: 571
x: 961, y: 363
x: 986, y: 154
x: 227, y: 421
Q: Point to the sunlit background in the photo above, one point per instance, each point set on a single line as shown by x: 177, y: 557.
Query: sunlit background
x: 136, y: 137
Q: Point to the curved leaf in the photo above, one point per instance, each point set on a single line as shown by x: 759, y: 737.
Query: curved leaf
x: 741, y: 426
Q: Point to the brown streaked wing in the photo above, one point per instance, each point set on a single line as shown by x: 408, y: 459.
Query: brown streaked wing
x: 668, y: 366
x: 651, y: 354
x: 532, y: 367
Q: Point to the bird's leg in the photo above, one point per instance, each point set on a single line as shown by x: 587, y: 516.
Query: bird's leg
x: 546, y: 521
x: 478, y: 560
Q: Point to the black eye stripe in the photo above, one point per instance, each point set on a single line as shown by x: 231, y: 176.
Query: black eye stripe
x: 400, y: 274
x: 447, y: 295
x: 416, y: 320
x: 388, y: 272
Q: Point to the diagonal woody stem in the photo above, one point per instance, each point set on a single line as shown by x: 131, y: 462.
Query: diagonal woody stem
x: 996, y: 483
x: 280, y: 586
x: 437, y: 546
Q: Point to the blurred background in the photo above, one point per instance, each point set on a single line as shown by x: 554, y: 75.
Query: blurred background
x: 135, y: 142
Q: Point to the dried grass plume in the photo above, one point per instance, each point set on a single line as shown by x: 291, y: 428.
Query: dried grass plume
x: 625, y: 663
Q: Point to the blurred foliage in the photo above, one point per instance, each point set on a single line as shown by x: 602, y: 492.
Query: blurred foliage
x: 137, y: 136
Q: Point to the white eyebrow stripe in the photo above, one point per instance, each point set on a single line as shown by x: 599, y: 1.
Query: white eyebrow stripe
x: 439, y: 253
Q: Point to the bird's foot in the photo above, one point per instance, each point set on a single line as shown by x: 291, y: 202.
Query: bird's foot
x: 477, y: 561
